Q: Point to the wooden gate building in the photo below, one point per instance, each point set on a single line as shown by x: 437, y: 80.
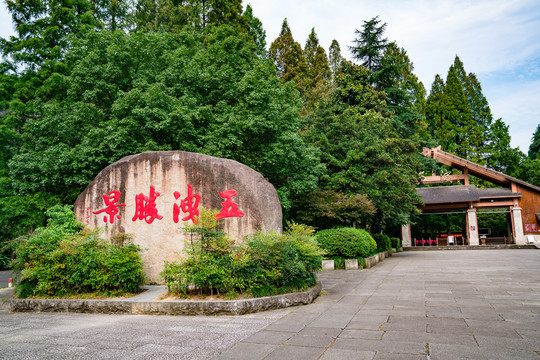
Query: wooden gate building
x: 520, y: 198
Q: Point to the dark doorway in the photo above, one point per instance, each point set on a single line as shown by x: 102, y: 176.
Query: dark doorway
x: 431, y: 229
x: 495, y: 225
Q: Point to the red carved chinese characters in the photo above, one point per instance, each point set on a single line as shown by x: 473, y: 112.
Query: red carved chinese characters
x: 145, y: 207
x: 112, y: 210
x: 230, y: 208
x: 189, y: 205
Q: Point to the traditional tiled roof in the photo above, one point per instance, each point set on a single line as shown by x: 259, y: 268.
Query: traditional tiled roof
x: 461, y: 193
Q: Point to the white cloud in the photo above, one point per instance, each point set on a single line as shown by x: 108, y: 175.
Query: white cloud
x: 519, y: 106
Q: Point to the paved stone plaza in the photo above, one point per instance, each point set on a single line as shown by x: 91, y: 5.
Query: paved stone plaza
x: 470, y: 304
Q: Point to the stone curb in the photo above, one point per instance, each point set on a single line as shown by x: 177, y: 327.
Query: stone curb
x: 369, y: 262
x: 226, y: 307
x: 373, y: 260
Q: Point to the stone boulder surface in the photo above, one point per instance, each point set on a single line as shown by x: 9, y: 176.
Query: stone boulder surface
x: 153, y: 194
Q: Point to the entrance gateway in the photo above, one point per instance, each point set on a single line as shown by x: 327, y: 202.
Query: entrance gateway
x: 520, y: 200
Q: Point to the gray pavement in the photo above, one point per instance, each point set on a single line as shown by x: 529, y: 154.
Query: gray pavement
x: 5, y: 275
x: 482, y: 304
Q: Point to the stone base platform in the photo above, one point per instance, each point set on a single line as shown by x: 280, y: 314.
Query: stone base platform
x: 134, y: 306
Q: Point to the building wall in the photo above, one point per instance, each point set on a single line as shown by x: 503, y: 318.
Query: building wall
x: 530, y: 206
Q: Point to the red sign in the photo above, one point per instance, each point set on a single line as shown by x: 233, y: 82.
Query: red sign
x: 112, y: 210
x: 145, y: 207
x: 189, y: 205
x: 230, y: 209
x: 531, y: 228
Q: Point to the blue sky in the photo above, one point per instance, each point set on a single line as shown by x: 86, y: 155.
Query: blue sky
x: 497, y: 40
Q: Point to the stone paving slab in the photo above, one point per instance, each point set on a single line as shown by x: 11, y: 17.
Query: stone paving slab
x: 416, y: 305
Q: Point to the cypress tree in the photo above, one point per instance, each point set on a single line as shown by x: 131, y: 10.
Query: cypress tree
x: 460, y: 120
x: 369, y: 44
x: 315, y: 85
x: 334, y: 58
x: 287, y: 56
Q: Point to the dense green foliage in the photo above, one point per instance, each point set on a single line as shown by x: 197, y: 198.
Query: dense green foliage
x: 529, y: 170
x: 383, y: 242
x: 286, y: 261
x: 85, y: 83
x: 346, y: 242
x: 266, y: 264
x: 396, y: 243
x: 325, y: 208
x: 362, y: 151
x: 534, y: 148
x: 127, y: 94
x: 63, y: 259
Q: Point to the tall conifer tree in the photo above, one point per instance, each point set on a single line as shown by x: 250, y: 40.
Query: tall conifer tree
x: 405, y: 93
x: 43, y: 28
x: 334, y: 58
x: 460, y: 120
x: 362, y: 152
x: 256, y: 31
x: 315, y: 85
x: 370, y: 44
x: 287, y: 56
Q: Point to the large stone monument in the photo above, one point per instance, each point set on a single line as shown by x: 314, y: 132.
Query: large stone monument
x: 152, y: 195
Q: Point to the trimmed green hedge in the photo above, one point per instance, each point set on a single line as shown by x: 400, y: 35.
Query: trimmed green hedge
x: 346, y: 242
x: 383, y: 242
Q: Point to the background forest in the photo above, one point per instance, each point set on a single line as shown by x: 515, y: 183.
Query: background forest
x: 86, y: 82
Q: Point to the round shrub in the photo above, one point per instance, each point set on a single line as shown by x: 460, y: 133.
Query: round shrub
x: 383, y: 242
x: 346, y: 242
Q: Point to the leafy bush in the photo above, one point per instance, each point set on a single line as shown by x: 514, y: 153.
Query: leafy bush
x: 383, y: 242
x: 396, y: 243
x: 266, y: 264
x: 4, y: 261
x: 287, y: 261
x: 209, y: 262
x: 346, y: 242
x: 65, y: 259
